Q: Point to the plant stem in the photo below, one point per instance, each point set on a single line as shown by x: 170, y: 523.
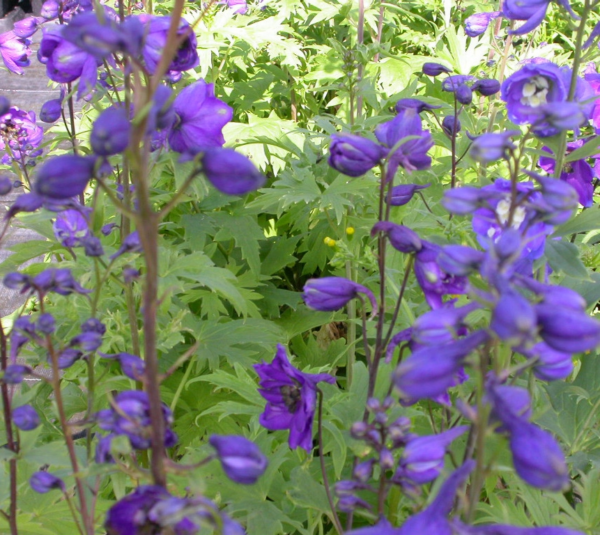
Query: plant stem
x: 12, y: 446
x: 360, y: 40
x: 351, y: 307
x: 336, y: 519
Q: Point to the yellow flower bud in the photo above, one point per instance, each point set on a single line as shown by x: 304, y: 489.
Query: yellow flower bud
x: 350, y: 231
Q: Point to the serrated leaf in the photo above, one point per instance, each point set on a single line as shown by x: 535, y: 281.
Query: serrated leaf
x: 564, y: 256
x: 246, y: 233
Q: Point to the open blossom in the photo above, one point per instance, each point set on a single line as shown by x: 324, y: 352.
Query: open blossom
x: 291, y: 398
x: 530, y: 11
x: 71, y: 228
x: 14, y: 51
x: 20, y: 136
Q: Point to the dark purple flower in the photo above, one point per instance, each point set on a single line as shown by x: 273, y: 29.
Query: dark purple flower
x: 70, y: 228
x: 51, y: 110
x: 464, y: 94
x: 64, y: 176
x: 434, y: 282
x: 451, y: 125
x: 199, y: 119
x: 550, y: 365
x: 478, y: 23
x: 131, y: 244
x: 486, y: 87
x: 4, y: 105
x: 156, y: 30
x: 422, y: 460
x: 92, y: 246
x: 567, y: 331
x: 131, y: 365
x: 26, y: 202
x: 460, y: 260
x: 241, y: 459
x: 434, y: 69
x: 87, y: 341
x: 19, y: 132
x: 431, y: 370
x: 65, y: 62
x: 442, y: 325
x: 513, y: 319
x: 161, y: 114
x: 465, y: 200
x: 46, y: 324
x: 231, y: 172
x: 531, y: 11
x: 131, y: 274
x: 103, y: 454
x: 402, y: 238
x: 58, y: 280
x: 354, y: 155
x: 415, y: 104
x: 25, y: 417
x: 558, y: 117
x: 14, y: 51
x: 6, y: 185
x: 43, y: 482
x: 557, y: 201
x: 537, y: 457
x: 67, y: 357
x: 110, y: 132
x: 508, y: 404
x: 14, y: 373
x: 403, y: 193
x: 27, y: 27
x: 93, y: 325
x: 490, y: 147
x: 108, y: 228
x: 577, y: 174
x: 332, y: 293
x: 291, y: 398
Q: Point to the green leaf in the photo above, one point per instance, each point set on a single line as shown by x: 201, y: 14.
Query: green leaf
x: 587, y: 220
x: 246, y: 232
x: 564, y: 256
x: 590, y: 148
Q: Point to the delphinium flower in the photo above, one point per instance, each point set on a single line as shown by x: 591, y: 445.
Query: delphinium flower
x: 130, y: 416
x: 478, y: 23
x: 20, y: 136
x: 110, y: 132
x: 291, y: 398
x: 403, y: 193
x: 131, y: 365
x: 435, y: 69
x: 490, y: 147
x: 241, y: 459
x: 63, y: 177
x: 14, y: 51
x: 71, y: 228
x: 51, y: 110
x: 156, y: 30
x: 14, y: 374
x: 131, y: 244
x: 579, y: 174
x: 592, y: 77
x: 27, y: 27
x: 231, y: 172
x: 238, y: 6
x: 354, y: 155
x: 25, y: 418
x: 530, y: 11
x: 44, y: 482
x: 400, y: 237
x: 332, y: 293
x: 505, y: 529
x: 199, y: 119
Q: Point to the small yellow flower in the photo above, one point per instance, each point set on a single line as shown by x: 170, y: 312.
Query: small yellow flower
x: 350, y: 231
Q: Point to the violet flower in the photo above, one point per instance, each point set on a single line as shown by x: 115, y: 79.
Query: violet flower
x: 505, y: 529
x: 14, y: 51
x: 531, y: 11
x: 44, y: 482
x: 25, y: 418
x: 550, y: 365
x: 131, y: 244
x: 434, y: 69
x: 514, y: 319
x: 401, y: 238
x: 231, y: 172
x: 490, y: 147
x: 241, y: 459
x: 199, y: 119
x: 354, y: 155
x: 64, y: 176
x: 238, y: 6
x: 27, y: 27
x: 403, y: 193
x: 15, y: 373
x: 291, y: 398
x: 332, y: 293
x: 566, y: 331
x: 26, y: 202
x: 110, y: 132
x: 51, y: 110
x: 70, y: 228
x: 478, y: 23
x: 20, y: 133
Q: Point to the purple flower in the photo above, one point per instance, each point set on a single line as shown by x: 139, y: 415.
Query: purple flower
x: 505, y: 529
x: 67, y: 357
x: 240, y: 458
x: 25, y: 417
x: 332, y: 293
x: 422, y: 460
x: 460, y: 260
x: 231, y: 172
x: 490, y: 147
x: 537, y: 457
x: 566, y: 330
x: 577, y: 174
x: 103, y: 454
x: 509, y: 404
x: 6, y: 185
x: 402, y: 238
x: 70, y: 228
x: 27, y: 27
x: 131, y: 365
x: 403, y: 193
x: 434, y: 69
x: 513, y: 319
x: 291, y: 398
x: 57, y: 280
x: 199, y: 119
x: 434, y: 282
x: 442, y: 325
x: 43, y: 482
x: 238, y: 6
x: 51, y: 110
x: 478, y: 23
x: 46, y: 324
x: 465, y: 200
x: 110, y: 132
x: 156, y: 30
x: 531, y: 11
x: 486, y: 87
x: 65, y: 62
x: 20, y: 133
x: 14, y: 374
x: 4, y: 105
x: 14, y: 51
x: 64, y: 176
x: 451, y: 125
x: 431, y: 370
x: 550, y: 365
x: 414, y: 104
x: 354, y: 155
x: 557, y: 201
x: 131, y: 244
x: 50, y: 9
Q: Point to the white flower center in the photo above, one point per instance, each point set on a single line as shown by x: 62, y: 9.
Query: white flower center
x: 535, y: 92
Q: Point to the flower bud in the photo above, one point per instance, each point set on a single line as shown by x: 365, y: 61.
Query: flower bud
x: 460, y: 260
x: 402, y: 238
x: 231, y: 172
x: 64, y: 176
x: 50, y: 9
x: 111, y: 132
x: 451, y: 125
x: 463, y: 201
x: 4, y: 105
x: 240, y: 458
x: 508, y: 244
x: 490, y: 147
x: 354, y: 155
x: 14, y: 373
x: 514, y: 319
x: 478, y: 23
x: 567, y: 331
x: 415, y: 104
x: 332, y: 293
x: 43, y: 482
x: 92, y: 246
x: 359, y: 430
x: 51, y: 110
x: 6, y: 185
x: 386, y: 459
x: 363, y: 471
x: 46, y: 323
x: 25, y: 418
x: 464, y: 94
x: 486, y: 87
x: 403, y: 193
x: 434, y: 69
